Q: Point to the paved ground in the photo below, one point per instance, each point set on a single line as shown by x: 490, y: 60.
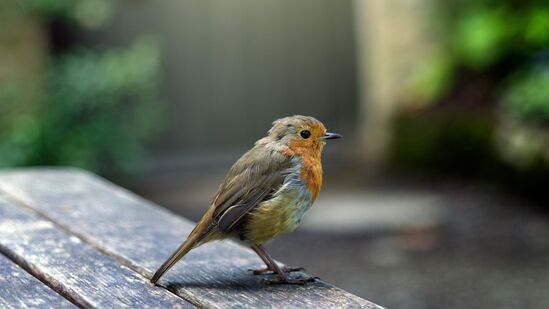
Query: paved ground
x: 487, y: 254
x: 403, y: 246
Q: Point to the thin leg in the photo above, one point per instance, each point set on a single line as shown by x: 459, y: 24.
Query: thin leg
x: 270, y: 269
x: 260, y: 254
x: 282, y: 276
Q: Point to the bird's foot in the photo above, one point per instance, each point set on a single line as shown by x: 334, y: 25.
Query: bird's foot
x: 265, y: 271
x: 287, y: 280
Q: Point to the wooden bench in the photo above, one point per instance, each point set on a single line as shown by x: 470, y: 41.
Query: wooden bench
x: 69, y: 238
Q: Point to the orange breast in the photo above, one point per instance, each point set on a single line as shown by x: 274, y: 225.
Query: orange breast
x: 311, y: 168
x: 311, y: 174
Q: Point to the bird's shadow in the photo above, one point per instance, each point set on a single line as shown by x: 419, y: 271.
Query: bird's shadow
x: 220, y: 279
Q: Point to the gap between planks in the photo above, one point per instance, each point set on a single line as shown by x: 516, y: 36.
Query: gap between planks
x: 78, y: 302
x: 36, y: 274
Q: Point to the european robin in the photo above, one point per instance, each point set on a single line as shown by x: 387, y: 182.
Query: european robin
x: 265, y: 193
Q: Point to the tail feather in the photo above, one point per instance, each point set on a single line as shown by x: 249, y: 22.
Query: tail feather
x: 199, y: 235
x: 176, y: 256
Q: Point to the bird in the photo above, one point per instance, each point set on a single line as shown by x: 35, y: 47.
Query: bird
x: 265, y: 193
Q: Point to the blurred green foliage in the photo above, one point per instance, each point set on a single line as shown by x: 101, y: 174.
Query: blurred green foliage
x: 85, y: 13
x: 96, y: 112
x: 91, y: 108
x: 458, y: 143
x: 484, y: 35
x: 527, y: 96
x: 487, y: 92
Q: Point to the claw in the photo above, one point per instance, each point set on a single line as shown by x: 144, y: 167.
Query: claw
x: 288, y: 269
x: 265, y: 271
x: 261, y: 271
x: 300, y: 281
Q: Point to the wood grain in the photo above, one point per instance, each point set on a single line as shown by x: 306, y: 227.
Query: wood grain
x: 141, y: 236
x: 18, y: 289
x: 72, y: 268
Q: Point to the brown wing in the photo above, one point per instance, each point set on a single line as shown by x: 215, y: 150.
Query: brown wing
x: 251, y: 180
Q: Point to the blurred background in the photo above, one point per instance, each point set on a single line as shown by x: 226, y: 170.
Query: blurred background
x: 436, y: 198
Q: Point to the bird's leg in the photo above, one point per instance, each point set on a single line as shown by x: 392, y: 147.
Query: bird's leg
x: 266, y: 270
x: 282, y: 277
x: 270, y: 269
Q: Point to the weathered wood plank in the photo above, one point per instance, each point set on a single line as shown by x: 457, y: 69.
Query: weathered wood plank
x: 19, y: 289
x: 73, y: 268
x: 141, y: 236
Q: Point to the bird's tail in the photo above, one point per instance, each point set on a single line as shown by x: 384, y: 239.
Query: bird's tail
x: 199, y: 235
x: 189, y: 244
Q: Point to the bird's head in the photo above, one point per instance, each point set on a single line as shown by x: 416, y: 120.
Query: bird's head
x: 300, y: 134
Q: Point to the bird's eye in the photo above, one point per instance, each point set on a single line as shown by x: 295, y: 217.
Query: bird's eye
x: 305, y: 134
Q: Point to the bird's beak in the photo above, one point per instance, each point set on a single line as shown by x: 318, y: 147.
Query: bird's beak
x: 329, y: 135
